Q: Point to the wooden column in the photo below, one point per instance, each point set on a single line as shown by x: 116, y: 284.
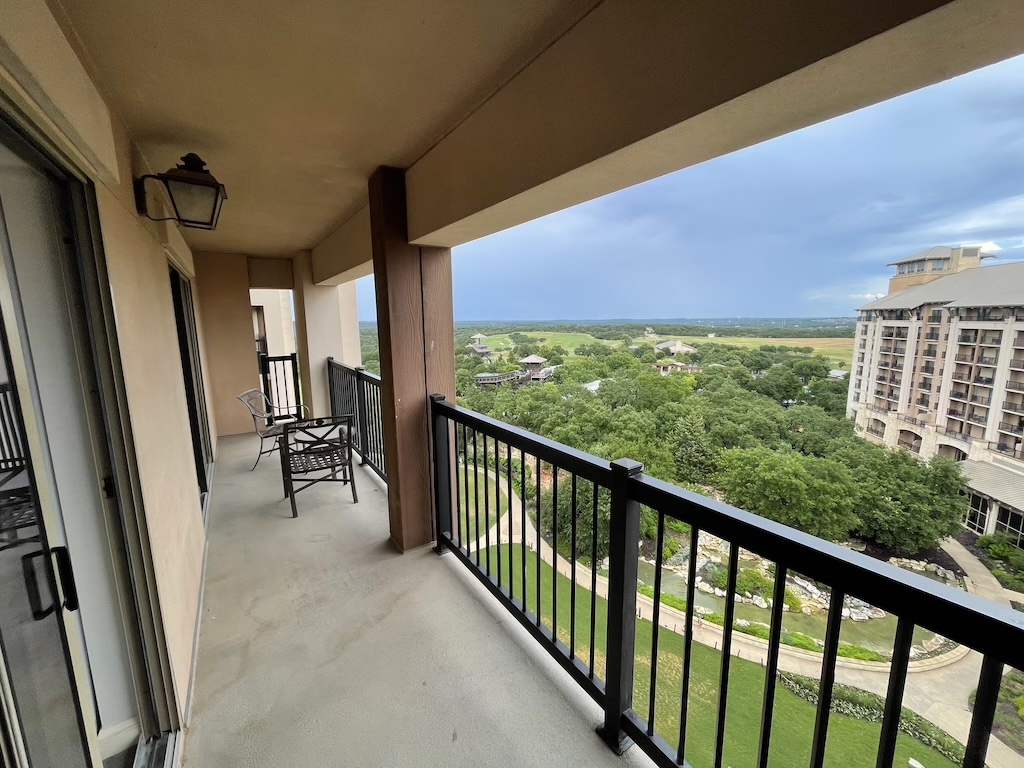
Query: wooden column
x: 415, y: 329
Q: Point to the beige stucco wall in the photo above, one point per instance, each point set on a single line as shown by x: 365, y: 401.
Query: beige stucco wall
x: 223, y: 281
x: 277, y: 317
x: 327, y: 325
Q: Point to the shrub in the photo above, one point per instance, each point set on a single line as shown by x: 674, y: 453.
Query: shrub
x: 850, y: 651
x: 753, y: 581
x: 793, y: 601
x: 676, y: 525
x: 1019, y: 703
x: 718, y: 577
x: 670, y: 600
x: 863, y: 705
x: 756, y: 630
x: 800, y: 640
x: 670, y: 547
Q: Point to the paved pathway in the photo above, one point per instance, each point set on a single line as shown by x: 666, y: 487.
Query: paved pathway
x: 939, y: 694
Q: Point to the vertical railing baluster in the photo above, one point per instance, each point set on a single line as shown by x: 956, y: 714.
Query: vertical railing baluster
x: 457, y: 512
x: 361, y: 415
x: 985, y: 702
x: 772, y: 666
x: 487, y: 510
x: 522, y: 522
x: 656, y: 619
x: 894, y: 696
x: 465, y: 477
x: 296, y: 384
x: 723, y: 681
x: 511, y: 516
x: 497, y: 507
x: 828, y: 677
x: 476, y: 500
x: 554, y: 552
x: 536, y: 507
x: 691, y: 583
x: 593, y: 583
x: 442, y: 476
x: 572, y: 565
x: 624, y: 534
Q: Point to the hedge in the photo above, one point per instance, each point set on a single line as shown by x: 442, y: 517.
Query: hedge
x: 864, y: 705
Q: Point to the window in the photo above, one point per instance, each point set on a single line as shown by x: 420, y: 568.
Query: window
x: 977, y: 516
x: 1011, y: 522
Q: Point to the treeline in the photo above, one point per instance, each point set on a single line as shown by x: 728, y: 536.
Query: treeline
x: 831, y: 328
x: 777, y: 444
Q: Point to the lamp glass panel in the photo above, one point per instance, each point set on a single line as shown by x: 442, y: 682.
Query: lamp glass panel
x: 194, y: 202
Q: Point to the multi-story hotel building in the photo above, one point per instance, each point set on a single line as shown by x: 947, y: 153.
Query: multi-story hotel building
x: 938, y: 369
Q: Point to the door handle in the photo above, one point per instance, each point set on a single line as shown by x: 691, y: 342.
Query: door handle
x: 62, y: 559
x: 67, y: 577
x: 35, y: 599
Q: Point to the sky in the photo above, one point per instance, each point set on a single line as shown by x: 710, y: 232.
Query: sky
x: 799, y: 226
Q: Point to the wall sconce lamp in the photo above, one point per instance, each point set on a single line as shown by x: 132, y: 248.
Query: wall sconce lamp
x: 195, y: 194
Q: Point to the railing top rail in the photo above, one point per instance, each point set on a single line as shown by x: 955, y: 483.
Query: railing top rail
x: 360, y: 372
x: 958, y: 615
x: 583, y: 464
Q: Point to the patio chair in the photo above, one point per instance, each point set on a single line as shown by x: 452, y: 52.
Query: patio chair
x: 264, y: 417
x: 317, y: 451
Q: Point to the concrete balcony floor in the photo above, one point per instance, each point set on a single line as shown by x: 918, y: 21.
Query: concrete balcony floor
x: 321, y: 646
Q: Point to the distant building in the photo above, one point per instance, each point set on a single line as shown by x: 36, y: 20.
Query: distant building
x: 497, y: 379
x: 668, y: 367
x: 838, y: 374
x: 482, y: 351
x: 477, y: 338
x: 939, y: 370
x: 649, y: 334
x: 675, y: 348
x: 592, y: 386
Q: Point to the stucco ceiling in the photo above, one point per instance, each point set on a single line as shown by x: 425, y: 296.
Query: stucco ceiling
x: 293, y: 104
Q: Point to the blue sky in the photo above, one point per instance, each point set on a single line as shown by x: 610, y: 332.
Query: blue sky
x: 800, y: 226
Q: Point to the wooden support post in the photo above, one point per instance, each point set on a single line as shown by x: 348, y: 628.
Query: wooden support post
x: 416, y: 336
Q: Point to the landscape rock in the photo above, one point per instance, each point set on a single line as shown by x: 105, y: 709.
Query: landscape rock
x: 706, y: 588
x: 742, y: 623
x: 759, y: 601
x: 859, y: 615
x: 719, y: 592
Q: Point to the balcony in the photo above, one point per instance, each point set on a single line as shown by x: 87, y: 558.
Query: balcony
x: 1017, y: 364
x: 963, y: 376
x: 1018, y: 342
x: 978, y: 418
x: 932, y: 335
x: 954, y: 395
x: 991, y: 341
x: 1016, y: 386
x: 956, y: 414
x: 980, y: 400
x: 956, y: 434
x: 984, y: 381
x: 965, y: 358
x: 930, y: 353
x: 886, y: 348
x: 1013, y: 407
x: 319, y: 621
x: 966, y: 338
x: 914, y: 446
x: 1007, y: 450
x: 1013, y: 429
x: 989, y: 361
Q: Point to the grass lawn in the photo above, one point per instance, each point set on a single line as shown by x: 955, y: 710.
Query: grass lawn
x: 479, y: 482
x: 851, y: 743
x: 836, y: 349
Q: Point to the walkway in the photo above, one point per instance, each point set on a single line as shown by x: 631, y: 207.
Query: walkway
x: 939, y: 694
x: 321, y: 646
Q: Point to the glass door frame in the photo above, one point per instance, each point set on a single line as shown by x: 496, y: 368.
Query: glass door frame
x: 135, y: 570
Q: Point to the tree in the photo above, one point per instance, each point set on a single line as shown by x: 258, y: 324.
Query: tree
x: 779, y: 383
x: 696, y: 459
x: 805, y: 492
x: 808, y: 369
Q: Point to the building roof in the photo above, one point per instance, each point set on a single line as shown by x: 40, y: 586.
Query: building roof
x: 838, y: 373
x: 533, y: 359
x: 935, y: 252
x: 674, y: 344
x: 478, y: 336
x: 1000, y: 483
x: 482, y: 349
x: 995, y: 286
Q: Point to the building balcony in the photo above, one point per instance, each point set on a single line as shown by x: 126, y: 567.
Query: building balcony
x: 1013, y: 407
x: 316, y: 622
x: 1018, y: 342
x: 955, y: 433
x: 1016, y: 386
x: 1017, y: 364
x: 984, y: 381
x: 932, y: 335
x: 980, y: 400
x: 954, y: 395
x: 930, y: 353
x: 319, y: 639
x: 1013, y: 429
x: 1007, y: 450
x: 990, y: 341
x: 966, y: 338
x: 876, y: 431
x: 963, y: 376
x: 989, y: 361
x: 914, y: 446
x: 956, y: 414
x: 978, y: 418
x: 965, y: 358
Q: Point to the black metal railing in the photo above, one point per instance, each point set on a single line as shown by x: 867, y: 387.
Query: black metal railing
x: 12, y: 450
x: 279, y: 376
x: 1014, y: 429
x: 535, y: 521
x: 354, y: 391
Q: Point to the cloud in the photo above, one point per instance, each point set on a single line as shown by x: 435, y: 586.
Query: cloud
x: 803, y: 225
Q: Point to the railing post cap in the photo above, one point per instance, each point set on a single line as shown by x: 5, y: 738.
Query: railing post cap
x: 437, y: 398
x: 628, y: 466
